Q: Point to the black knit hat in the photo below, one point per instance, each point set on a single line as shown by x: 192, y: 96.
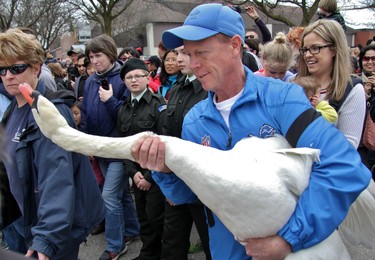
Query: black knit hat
x: 132, y: 64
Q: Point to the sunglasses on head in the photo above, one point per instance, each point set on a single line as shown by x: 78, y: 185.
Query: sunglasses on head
x: 14, y: 69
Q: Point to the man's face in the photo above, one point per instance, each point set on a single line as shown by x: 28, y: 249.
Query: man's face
x: 210, y: 61
x: 183, y: 61
x: 74, y: 58
x: 81, y: 67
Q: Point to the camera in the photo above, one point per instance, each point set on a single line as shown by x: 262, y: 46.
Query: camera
x: 104, y: 83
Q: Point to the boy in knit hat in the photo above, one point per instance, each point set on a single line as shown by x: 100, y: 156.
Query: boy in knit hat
x: 143, y: 111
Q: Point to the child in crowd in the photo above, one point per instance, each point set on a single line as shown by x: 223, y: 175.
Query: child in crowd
x: 76, y: 111
x: 277, y: 59
x: 143, y: 111
x: 312, y: 89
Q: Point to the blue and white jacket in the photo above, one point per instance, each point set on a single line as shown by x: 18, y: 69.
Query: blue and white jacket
x: 267, y: 107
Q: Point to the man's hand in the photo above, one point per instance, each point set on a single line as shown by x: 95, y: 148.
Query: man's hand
x: 40, y: 255
x: 149, y: 152
x: 267, y: 248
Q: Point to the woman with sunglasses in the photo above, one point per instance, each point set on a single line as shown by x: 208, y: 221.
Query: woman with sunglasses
x: 325, y: 56
x: 367, y: 66
x: 49, y: 184
x: 366, y: 60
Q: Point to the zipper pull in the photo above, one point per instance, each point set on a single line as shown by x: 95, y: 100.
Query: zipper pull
x: 229, y: 141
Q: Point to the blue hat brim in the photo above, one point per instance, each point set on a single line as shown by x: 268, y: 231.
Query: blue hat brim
x: 174, y: 38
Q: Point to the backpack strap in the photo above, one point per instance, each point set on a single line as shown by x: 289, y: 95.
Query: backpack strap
x: 336, y: 104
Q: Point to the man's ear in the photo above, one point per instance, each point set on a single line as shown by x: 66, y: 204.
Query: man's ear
x: 236, y: 43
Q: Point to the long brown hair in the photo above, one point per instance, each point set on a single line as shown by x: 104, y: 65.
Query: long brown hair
x: 332, y: 32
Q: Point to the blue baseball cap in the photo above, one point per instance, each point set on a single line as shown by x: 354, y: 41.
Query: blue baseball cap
x: 205, y: 21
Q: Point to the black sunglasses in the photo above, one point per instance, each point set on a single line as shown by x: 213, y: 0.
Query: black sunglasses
x: 15, y: 69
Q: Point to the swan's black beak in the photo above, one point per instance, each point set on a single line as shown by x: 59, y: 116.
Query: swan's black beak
x: 29, y: 94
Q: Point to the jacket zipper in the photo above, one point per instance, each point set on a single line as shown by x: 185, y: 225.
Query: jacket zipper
x: 229, y: 141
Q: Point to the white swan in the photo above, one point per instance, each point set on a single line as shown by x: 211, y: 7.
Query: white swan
x: 273, y: 177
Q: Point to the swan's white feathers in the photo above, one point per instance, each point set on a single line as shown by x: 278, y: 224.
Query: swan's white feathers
x: 252, y: 188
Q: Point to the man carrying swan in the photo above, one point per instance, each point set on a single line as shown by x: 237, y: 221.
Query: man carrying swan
x: 240, y: 105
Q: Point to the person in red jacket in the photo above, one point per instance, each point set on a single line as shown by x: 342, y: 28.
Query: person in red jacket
x: 153, y: 64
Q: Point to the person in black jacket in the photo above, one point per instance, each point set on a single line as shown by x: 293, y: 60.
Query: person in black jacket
x: 179, y: 219
x: 266, y: 34
x: 328, y: 10
x: 143, y: 111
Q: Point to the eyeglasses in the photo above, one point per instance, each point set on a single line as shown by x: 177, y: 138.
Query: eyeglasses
x: 136, y: 77
x: 15, y: 69
x: 315, y: 49
x: 368, y: 58
x: 80, y: 65
x: 170, y: 60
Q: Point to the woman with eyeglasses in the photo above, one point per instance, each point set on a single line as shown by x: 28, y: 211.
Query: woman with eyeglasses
x: 169, y: 73
x: 49, y: 184
x: 325, y: 56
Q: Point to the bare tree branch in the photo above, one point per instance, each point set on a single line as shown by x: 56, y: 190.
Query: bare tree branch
x: 101, y: 11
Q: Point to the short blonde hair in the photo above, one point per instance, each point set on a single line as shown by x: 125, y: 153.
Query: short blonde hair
x: 278, y: 51
x: 331, y: 32
x: 16, y: 45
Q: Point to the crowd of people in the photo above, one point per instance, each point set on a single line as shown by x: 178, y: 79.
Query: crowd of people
x: 211, y: 83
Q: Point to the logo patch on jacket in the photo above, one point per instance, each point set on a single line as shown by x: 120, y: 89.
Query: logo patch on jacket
x: 206, y: 140
x: 266, y: 131
x: 162, y: 107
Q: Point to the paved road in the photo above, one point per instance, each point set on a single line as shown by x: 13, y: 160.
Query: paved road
x: 96, y: 244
